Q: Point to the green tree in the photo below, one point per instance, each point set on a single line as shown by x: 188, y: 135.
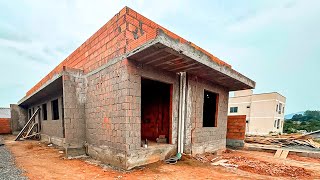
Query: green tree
x: 309, y: 121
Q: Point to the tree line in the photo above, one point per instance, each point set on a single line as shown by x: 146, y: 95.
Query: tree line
x: 309, y: 121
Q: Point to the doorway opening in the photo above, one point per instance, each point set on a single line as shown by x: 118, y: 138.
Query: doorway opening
x: 210, y: 109
x: 155, y: 111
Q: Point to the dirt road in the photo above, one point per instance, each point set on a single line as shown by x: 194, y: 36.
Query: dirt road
x: 42, y: 162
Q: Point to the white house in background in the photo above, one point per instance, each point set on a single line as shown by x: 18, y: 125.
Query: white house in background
x: 265, y: 112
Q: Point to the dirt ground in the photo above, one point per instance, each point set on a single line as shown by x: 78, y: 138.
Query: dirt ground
x: 42, y: 162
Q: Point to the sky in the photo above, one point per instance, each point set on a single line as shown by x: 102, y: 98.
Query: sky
x: 275, y: 43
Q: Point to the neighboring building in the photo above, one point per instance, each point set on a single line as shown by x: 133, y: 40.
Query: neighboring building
x: 265, y: 112
x: 135, y: 80
x: 5, y: 121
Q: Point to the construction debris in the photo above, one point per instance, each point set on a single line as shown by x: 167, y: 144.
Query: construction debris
x: 313, y: 143
x: 223, y: 162
x: 232, y: 159
x: 267, y: 168
x: 284, y: 154
x: 284, y: 141
x: 280, y: 153
x: 206, y: 157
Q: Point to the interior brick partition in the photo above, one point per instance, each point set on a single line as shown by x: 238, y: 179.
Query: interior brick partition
x: 236, y: 128
x: 5, y: 126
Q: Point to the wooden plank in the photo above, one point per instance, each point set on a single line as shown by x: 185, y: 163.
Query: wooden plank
x: 314, y: 144
x: 278, y: 153
x: 284, y: 154
x: 30, y: 130
x: 32, y: 135
x: 27, y: 125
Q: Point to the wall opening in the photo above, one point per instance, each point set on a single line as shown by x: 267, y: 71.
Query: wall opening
x: 155, y: 111
x: 44, y: 111
x: 278, y: 124
x: 55, y: 109
x: 39, y: 118
x: 210, y: 109
x: 30, y: 113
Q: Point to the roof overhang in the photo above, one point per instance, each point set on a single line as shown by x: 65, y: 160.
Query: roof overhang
x: 169, y: 54
x: 53, y: 87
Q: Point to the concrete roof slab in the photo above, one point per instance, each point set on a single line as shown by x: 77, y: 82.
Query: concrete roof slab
x: 171, y: 55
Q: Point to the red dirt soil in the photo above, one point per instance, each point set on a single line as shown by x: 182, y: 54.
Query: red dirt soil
x: 304, y: 159
x: 42, y: 162
x: 266, y: 168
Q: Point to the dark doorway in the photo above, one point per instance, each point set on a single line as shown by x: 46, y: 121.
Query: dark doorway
x: 210, y: 106
x: 155, y: 109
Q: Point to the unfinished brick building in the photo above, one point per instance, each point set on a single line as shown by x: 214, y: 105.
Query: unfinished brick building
x: 135, y: 80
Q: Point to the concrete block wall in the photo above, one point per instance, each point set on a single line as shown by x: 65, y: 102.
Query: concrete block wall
x: 19, y: 117
x: 113, y: 112
x: 201, y: 139
x: 50, y: 127
x: 74, y: 98
x: 108, y: 116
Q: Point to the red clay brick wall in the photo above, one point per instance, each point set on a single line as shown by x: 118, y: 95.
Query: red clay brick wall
x: 5, y: 126
x: 107, y: 43
x: 124, y: 32
x: 236, y: 127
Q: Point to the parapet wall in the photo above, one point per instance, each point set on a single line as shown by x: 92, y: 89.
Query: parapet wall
x: 126, y: 31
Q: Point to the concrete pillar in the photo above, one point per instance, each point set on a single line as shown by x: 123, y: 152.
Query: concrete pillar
x: 182, y: 111
x: 74, y: 113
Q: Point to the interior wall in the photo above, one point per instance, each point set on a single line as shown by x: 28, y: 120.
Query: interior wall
x: 155, y: 109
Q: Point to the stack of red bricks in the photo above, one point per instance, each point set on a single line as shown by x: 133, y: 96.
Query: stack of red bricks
x: 5, y: 126
x: 236, y: 127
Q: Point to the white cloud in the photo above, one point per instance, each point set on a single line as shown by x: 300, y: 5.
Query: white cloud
x: 35, y: 35
x: 52, y: 27
x: 282, y: 12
